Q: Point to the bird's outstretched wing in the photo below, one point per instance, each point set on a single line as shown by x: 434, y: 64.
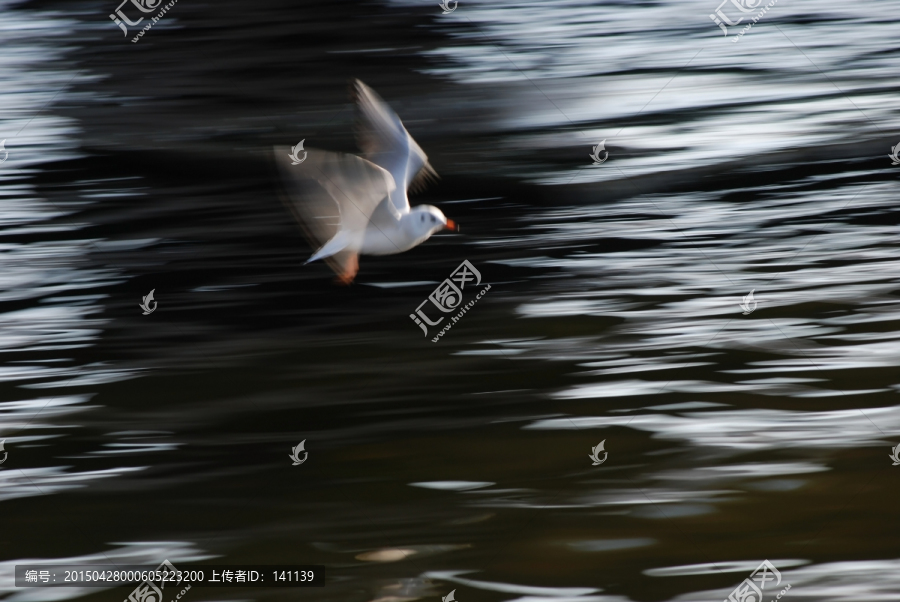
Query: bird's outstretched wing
x: 332, y: 196
x: 386, y: 143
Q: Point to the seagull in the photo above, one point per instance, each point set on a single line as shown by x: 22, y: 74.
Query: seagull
x: 349, y: 205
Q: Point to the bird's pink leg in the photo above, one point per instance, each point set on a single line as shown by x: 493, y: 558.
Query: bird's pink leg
x: 350, y: 270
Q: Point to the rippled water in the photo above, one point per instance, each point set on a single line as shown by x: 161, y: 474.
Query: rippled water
x: 613, y: 315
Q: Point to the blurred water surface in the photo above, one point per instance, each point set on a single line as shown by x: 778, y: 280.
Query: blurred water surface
x: 613, y: 315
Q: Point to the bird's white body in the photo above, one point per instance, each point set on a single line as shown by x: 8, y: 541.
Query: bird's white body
x: 359, y: 205
x: 412, y: 229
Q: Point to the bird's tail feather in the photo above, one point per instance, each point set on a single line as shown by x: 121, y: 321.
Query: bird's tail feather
x: 337, y: 244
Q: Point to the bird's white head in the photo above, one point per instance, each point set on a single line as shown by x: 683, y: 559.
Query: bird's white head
x: 425, y: 220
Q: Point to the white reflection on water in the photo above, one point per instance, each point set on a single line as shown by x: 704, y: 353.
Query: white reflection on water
x: 825, y: 270
x: 19, y: 415
x: 713, y: 568
x: 609, y: 545
x: 52, y: 276
x: 30, y: 482
x: 753, y: 429
x: 451, y: 485
x: 33, y: 74
x: 851, y: 581
x: 492, y: 586
x: 629, y: 73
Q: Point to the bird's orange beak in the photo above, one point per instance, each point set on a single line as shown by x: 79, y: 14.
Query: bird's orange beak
x: 451, y: 225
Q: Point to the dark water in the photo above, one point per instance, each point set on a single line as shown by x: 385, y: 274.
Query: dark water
x: 613, y: 313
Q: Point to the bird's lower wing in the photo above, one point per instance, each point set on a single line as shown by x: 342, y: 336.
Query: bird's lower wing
x: 330, y: 193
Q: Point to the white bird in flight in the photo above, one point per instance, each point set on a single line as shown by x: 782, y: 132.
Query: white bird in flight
x: 349, y: 205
